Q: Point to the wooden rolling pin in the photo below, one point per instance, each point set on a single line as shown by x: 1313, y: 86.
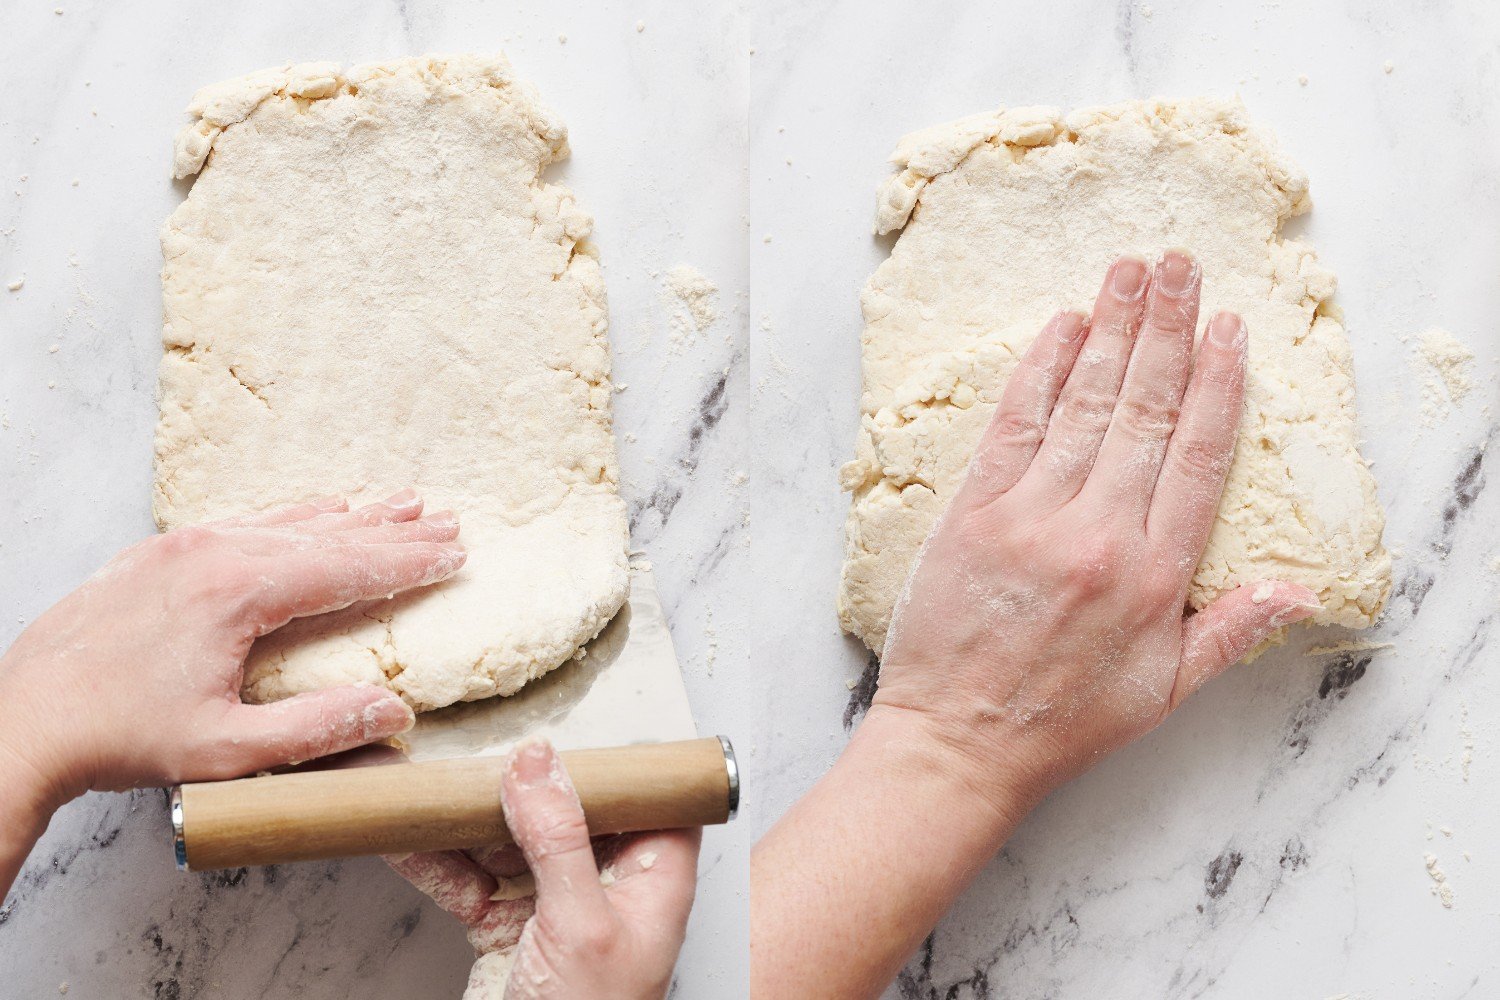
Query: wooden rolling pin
x: 441, y: 804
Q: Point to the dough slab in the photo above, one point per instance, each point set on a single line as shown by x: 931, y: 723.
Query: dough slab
x: 369, y: 287
x: 1009, y: 216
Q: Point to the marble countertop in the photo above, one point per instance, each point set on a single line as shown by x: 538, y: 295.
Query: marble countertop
x: 1269, y: 841
x: 94, y: 95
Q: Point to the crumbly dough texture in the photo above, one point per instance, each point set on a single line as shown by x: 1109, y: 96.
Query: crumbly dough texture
x: 1010, y: 216
x: 368, y: 287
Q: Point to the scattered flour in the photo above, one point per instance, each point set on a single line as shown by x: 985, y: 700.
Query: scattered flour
x: 693, y: 299
x: 1443, y: 363
x: 1440, y: 887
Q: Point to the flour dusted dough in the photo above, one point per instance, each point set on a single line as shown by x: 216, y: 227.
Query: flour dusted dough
x: 370, y: 287
x: 1012, y: 215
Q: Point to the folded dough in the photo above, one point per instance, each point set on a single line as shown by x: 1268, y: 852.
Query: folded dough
x: 370, y: 287
x: 1008, y: 217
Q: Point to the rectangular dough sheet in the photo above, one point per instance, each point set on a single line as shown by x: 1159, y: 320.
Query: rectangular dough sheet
x: 1009, y: 216
x: 369, y: 286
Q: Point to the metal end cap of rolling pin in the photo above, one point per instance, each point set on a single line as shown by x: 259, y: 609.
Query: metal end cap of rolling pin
x: 179, y: 841
x: 732, y: 770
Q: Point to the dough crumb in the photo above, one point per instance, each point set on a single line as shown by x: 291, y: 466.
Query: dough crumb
x: 640, y: 26
x: 62, y: 987
x: 693, y: 299
x: 1147, y: 11
x: 1443, y: 363
x: 1440, y: 887
x: 1389, y: 66
x: 648, y: 859
x: 518, y: 887
x: 607, y: 877
x: 54, y: 348
x: 16, y: 283
x: 562, y: 39
x: 1302, y: 79
x: 1263, y: 593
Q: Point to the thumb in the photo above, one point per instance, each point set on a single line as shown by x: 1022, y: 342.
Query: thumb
x: 310, y: 725
x: 1217, y: 637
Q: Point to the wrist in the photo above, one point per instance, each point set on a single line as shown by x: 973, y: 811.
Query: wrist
x: 974, y: 760
x: 32, y: 778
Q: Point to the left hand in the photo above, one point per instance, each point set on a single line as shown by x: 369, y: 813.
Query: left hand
x: 579, y: 937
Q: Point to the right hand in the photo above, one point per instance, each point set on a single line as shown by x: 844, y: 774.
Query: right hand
x: 1043, y: 624
x: 578, y: 939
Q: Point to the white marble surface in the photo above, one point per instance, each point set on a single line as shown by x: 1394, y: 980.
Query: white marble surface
x: 95, y: 94
x: 1269, y: 840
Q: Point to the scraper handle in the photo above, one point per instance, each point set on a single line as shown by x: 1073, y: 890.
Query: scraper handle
x: 442, y: 804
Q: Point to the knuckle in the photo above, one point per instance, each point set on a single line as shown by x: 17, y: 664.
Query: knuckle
x: 1202, y: 460
x: 1015, y: 428
x: 1147, y: 418
x: 1088, y: 409
x: 1095, y: 566
x: 558, y: 832
x: 1226, y: 646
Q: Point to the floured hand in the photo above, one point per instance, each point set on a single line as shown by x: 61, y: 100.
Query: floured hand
x: 134, y: 678
x: 582, y: 935
x: 1043, y: 625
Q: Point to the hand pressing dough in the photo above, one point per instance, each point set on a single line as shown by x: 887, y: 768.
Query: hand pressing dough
x: 368, y: 287
x: 1010, y: 216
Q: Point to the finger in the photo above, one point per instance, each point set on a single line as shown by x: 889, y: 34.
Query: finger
x: 402, y: 506
x: 461, y: 886
x: 543, y: 813
x: 1217, y: 637
x: 1191, y: 482
x: 306, y: 726
x: 289, y: 514
x: 656, y: 875
x: 1131, y: 456
x: 450, y: 879
x: 502, y: 862
x: 1084, y: 408
x: 489, y: 976
x: 314, y: 581
x: 441, y: 526
x: 1020, y: 421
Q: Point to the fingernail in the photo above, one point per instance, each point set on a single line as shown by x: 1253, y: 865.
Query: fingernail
x: 1129, y: 279
x: 388, y: 717
x: 442, y: 519
x: 404, y: 500
x: 534, y: 764
x: 329, y: 503
x: 1226, y: 330
x: 1072, y: 325
x: 1177, y: 272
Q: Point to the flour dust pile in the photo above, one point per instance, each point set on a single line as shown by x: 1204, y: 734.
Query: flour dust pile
x: 370, y: 287
x: 1009, y: 216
